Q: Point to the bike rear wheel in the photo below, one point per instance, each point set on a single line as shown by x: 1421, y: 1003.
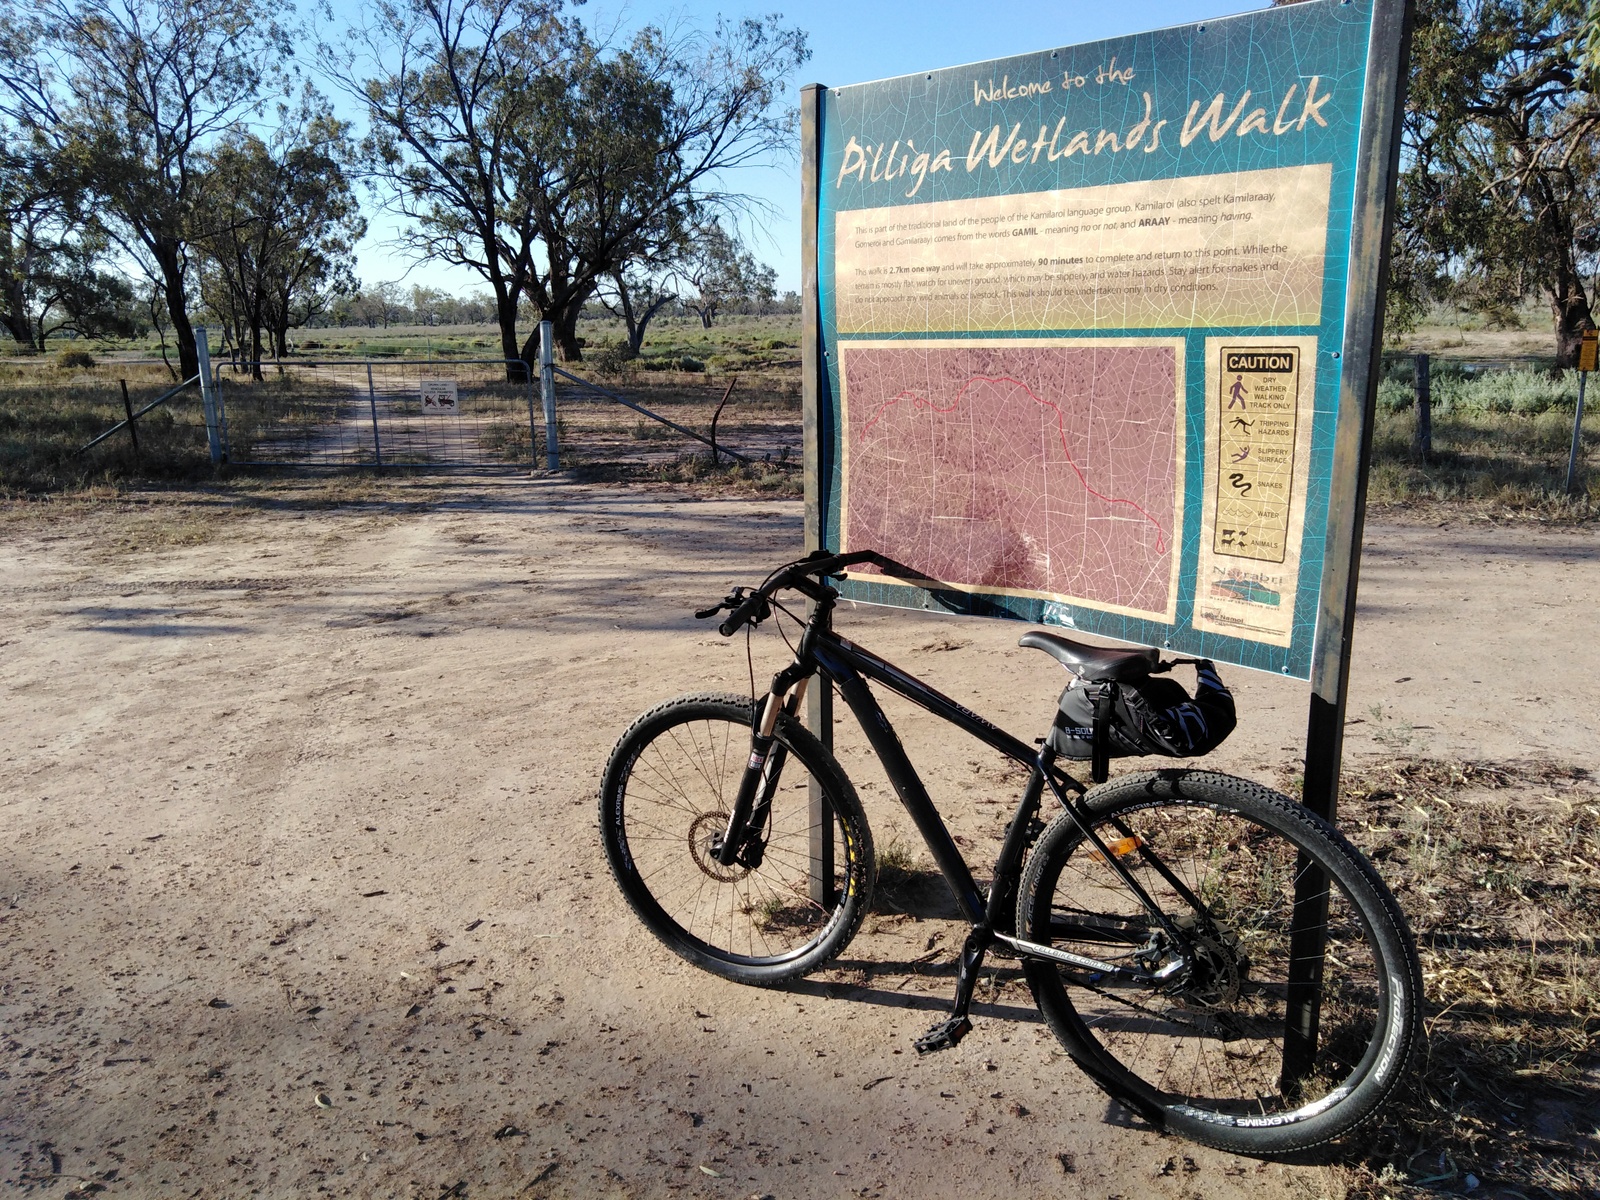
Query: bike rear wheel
x: 1203, y: 1054
x: 667, y: 792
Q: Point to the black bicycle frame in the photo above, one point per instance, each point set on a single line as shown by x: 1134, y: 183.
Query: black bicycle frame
x: 843, y: 664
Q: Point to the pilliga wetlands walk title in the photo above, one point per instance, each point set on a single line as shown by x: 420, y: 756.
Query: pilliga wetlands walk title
x: 883, y: 163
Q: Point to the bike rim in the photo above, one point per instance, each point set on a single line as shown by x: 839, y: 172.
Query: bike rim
x: 680, y: 787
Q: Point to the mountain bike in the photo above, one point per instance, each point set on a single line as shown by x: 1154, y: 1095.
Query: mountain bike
x: 1154, y: 915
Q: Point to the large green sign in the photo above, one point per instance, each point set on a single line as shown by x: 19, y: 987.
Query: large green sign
x: 1082, y: 326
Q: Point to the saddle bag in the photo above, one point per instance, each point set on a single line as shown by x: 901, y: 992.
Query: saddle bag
x: 1104, y: 720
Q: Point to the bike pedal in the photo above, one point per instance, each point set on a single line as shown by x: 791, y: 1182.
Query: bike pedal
x: 944, y: 1035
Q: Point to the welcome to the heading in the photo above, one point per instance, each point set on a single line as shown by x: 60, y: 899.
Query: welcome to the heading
x: 996, y: 148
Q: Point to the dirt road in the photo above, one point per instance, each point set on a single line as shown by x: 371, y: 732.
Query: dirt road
x: 302, y: 891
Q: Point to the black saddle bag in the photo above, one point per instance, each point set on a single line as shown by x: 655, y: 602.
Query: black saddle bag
x: 1101, y: 721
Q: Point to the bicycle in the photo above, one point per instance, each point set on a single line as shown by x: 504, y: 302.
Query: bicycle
x: 1152, y: 916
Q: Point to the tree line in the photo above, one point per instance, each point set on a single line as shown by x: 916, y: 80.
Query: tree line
x: 162, y: 158
x: 385, y: 304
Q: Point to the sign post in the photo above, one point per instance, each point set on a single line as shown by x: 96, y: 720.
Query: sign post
x: 1091, y: 341
x: 1588, y: 351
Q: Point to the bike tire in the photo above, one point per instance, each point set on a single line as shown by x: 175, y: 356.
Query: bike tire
x: 1203, y: 1058
x: 668, y: 787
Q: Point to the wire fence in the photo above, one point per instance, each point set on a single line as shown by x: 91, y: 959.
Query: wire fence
x: 374, y: 413
x: 662, y: 423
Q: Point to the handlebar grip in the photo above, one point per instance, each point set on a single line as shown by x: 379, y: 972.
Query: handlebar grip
x: 741, y: 615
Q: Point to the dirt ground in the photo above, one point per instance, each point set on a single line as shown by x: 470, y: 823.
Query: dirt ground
x: 301, y: 890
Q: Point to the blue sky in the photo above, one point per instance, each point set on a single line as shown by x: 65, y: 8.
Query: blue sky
x: 852, y: 41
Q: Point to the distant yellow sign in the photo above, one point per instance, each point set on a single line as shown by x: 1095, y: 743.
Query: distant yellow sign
x: 1588, y: 350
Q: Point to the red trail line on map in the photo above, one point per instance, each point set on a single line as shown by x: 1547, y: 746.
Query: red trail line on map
x: 1061, y: 431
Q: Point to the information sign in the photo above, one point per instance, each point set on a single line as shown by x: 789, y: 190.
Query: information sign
x: 1083, y: 328
x: 439, y: 396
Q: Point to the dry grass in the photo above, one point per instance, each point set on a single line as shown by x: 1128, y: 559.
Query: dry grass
x: 1498, y: 867
x: 48, y: 413
x: 1493, y: 466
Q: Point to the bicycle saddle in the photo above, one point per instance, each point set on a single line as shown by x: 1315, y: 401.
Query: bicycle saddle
x: 1096, y: 664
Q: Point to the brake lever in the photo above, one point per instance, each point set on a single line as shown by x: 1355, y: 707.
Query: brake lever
x: 731, y: 601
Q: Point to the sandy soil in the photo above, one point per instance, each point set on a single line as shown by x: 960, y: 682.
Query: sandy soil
x: 301, y: 891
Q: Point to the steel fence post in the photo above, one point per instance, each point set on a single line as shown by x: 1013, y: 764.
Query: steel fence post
x: 547, y: 390
x: 372, y: 402
x: 1577, y: 439
x: 1422, y: 439
x: 208, y: 396
x: 819, y: 700
x: 533, y: 421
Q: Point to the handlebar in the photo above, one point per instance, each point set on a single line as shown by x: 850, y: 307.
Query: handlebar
x: 753, y: 608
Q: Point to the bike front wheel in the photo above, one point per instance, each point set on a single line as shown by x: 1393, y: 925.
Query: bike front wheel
x: 1210, y: 1053
x: 666, y: 795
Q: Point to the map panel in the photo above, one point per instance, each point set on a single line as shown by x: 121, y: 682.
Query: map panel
x: 1045, y: 468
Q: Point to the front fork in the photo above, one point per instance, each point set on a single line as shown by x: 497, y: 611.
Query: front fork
x: 761, y: 772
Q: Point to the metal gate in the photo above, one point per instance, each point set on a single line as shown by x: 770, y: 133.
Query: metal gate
x: 454, y: 412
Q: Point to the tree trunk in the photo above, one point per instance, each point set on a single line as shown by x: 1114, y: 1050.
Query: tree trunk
x: 563, y: 315
x: 15, y: 318
x: 1569, y: 307
x: 255, y: 351
x: 637, y: 327
x: 505, y: 311
x: 566, y: 333
x: 172, y: 292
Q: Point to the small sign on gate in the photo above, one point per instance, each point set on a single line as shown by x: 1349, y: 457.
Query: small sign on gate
x: 439, y: 396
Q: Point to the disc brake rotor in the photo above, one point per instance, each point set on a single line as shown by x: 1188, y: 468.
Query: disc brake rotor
x: 706, y: 827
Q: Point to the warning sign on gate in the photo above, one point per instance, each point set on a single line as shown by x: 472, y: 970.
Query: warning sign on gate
x: 439, y: 396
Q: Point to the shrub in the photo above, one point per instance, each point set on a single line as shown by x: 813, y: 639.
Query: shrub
x: 689, y: 363
x: 1395, y: 396
x: 75, y: 360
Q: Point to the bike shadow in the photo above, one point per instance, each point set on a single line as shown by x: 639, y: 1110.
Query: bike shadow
x: 932, y: 1002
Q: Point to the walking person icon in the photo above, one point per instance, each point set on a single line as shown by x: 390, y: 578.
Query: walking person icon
x: 1238, y: 391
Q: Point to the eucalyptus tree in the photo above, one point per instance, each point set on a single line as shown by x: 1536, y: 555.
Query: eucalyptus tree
x: 512, y: 144
x: 635, y: 292
x: 1500, y: 197
x: 52, y: 269
x: 135, y: 92
x: 720, y: 272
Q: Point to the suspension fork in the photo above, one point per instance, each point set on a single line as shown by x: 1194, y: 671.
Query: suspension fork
x: 765, y: 764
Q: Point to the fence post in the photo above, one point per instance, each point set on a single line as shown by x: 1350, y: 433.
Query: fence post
x: 1422, y: 437
x: 208, y: 396
x: 533, y: 422
x: 547, y: 389
x: 1588, y: 353
x: 372, y: 403
x: 127, y: 407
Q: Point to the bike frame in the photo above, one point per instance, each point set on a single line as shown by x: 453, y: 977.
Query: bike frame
x: 847, y: 666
